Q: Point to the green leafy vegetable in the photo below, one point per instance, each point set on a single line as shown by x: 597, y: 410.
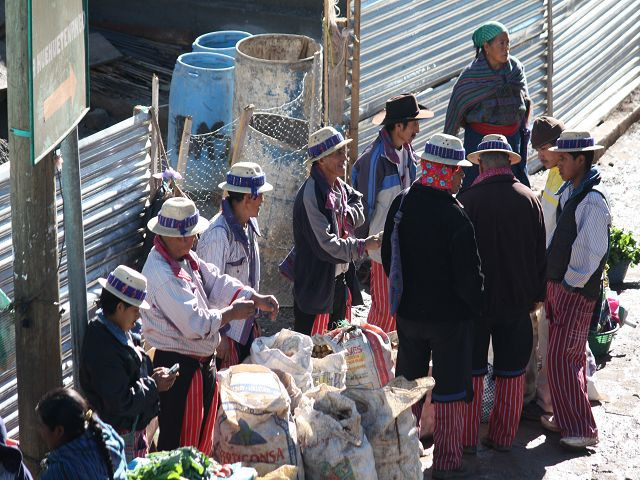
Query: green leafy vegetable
x: 185, y: 463
x: 623, y: 247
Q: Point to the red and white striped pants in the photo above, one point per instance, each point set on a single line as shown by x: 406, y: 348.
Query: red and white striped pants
x: 569, y: 315
x: 447, y: 433
x: 505, y: 415
x: 321, y: 322
x: 379, y: 313
x: 197, y: 431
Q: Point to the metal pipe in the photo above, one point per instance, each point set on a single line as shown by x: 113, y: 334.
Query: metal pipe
x: 74, y: 240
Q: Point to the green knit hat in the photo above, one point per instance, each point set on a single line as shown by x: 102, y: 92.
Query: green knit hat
x: 487, y: 32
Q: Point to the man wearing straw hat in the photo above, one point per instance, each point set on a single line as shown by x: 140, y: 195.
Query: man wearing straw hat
x: 231, y: 244
x: 576, y: 258
x: 116, y: 375
x: 386, y: 167
x: 190, y: 302
x: 509, y: 226
x: 325, y: 213
x: 429, y: 252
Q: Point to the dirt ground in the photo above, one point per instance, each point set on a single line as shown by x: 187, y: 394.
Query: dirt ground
x: 536, y: 453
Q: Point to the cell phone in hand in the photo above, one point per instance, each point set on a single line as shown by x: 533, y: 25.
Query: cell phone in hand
x: 173, y: 370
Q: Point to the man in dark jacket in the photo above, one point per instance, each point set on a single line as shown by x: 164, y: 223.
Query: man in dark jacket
x: 509, y: 227
x: 116, y: 375
x: 325, y: 213
x: 429, y: 253
x: 384, y: 169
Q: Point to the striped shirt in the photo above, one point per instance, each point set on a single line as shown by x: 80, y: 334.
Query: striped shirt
x: 218, y: 245
x: 184, y: 316
x: 549, y: 201
x: 592, y: 242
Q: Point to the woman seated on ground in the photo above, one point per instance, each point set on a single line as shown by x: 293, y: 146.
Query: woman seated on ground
x: 82, y: 446
x: 115, y: 373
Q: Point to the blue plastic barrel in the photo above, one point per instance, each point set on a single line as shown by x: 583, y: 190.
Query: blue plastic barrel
x: 201, y: 86
x: 223, y: 42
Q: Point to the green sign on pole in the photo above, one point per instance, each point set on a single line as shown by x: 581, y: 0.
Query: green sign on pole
x: 58, y: 78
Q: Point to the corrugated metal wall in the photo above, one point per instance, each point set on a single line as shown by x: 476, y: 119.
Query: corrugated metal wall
x: 114, y: 169
x: 596, y: 57
x: 422, y: 46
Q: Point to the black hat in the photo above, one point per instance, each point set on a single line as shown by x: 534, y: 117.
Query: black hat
x: 401, y: 108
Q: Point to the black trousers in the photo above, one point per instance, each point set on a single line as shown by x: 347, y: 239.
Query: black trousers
x: 448, y: 343
x: 173, y: 401
x: 303, y: 322
x: 511, y: 336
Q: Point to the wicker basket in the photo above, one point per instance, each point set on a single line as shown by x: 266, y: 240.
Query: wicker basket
x: 599, y: 343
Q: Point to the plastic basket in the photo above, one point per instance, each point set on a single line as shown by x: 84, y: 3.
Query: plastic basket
x: 599, y: 343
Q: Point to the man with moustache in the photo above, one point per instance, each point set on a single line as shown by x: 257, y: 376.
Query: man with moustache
x: 386, y: 167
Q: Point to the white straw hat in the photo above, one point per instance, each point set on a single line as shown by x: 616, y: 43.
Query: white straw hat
x: 178, y: 217
x: 324, y: 142
x: 445, y: 149
x: 128, y: 285
x: 574, y: 141
x: 494, y: 143
x: 246, y: 177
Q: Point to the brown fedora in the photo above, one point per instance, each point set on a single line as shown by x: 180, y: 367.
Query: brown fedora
x: 398, y: 109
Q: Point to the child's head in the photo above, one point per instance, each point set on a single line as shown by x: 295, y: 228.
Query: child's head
x: 62, y: 413
x: 544, y: 134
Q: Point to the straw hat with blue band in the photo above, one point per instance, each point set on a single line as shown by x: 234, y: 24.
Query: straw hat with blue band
x: 246, y: 177
x: 494, y: 143
x: 445, y: 149
x: 178, y: 217
x: 574, y: 141
x: 324, y: 142
x: 128, y: 285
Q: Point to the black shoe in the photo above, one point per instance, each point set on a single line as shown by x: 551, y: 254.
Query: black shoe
x: 532, y: 412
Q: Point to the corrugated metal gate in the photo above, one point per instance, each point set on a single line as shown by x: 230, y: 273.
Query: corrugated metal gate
x: 422, y: 46
x: 114, y: 169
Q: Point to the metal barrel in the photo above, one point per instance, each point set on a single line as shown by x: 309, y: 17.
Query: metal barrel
x: 271, y: 70
x: 223, y: 42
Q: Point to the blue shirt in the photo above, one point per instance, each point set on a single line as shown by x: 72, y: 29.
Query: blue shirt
x: 81, y: 458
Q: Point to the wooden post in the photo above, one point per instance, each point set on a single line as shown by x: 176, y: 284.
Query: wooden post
x: 74, y: 240
x: 355, y: 84
x: 155, y: 135
x: 183, y: 154
x: 550, y: 57
x: 326, y: 61
x: 241, y: 132
x: 35, y: 252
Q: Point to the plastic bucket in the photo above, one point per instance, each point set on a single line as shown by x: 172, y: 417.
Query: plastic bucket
x: 201, y: 86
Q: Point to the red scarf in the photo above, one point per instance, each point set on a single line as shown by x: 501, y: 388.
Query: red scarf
x: 492, y: 173
x: 437, y: 175
x: 176, y: 268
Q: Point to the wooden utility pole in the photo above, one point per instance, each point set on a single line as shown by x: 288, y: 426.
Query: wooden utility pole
x: 35, y: 241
